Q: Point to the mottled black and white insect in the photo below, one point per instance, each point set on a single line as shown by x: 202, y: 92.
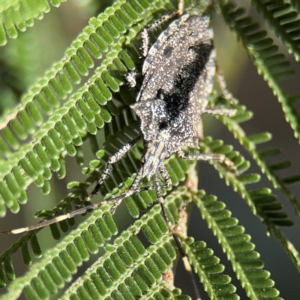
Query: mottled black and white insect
x: 178, y: 79
x: 178, y: 75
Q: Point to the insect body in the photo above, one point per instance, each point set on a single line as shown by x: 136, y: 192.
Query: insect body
x: 178, y: 79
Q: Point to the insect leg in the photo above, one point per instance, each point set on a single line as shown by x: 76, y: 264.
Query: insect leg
x: 183, y: 255
x: 108, y: 167
x: 145, y: 32
x: 221, y: 158
x: 165, y: 175
x: 229, y: 112
x: 180, y: 7
x: 222, y: 83
x: 131, y: 79
x: 134, y: 189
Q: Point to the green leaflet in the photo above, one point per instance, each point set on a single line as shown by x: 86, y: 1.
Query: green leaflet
x: 17, y: 15
x: 238, y: 248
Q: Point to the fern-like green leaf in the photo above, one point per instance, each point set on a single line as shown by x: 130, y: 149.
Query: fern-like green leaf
x: 236, y: 244
x: 269, y: 63
x: 250, y: 144
x: 206, y: 265
x: 127, y: 267
x: 57, y: 266
x: 284, y: 20
x: 17, y: 15
x: 295, y: 4
x: 261, y: 201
